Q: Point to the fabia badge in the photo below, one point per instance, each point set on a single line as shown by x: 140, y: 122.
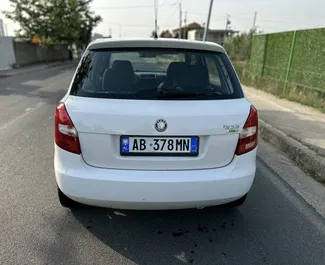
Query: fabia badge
x: 233, y: 128
x: 161, y: 125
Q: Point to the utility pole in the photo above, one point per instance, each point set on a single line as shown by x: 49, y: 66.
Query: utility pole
x: 185, y: 27
x: 254, y: 21
x: 156, y: 21
x: 208, y: 22
x: 180, y: 20
x: 228, y: 21
x: 110, y: 33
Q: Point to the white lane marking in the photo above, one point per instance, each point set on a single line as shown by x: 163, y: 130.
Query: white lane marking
x: 23, y: 115
x: 28, y: 109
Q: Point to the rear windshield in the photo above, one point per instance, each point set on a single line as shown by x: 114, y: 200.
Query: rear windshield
x: 156, y: 74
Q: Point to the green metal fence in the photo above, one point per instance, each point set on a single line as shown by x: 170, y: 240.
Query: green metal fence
x: 294, y: 59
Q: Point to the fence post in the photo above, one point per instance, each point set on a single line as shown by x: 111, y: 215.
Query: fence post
x: 264, y: 55
x: 293, y: 43
x: 250, y: 55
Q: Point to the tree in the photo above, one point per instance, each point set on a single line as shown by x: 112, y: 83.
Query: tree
x: 239, y: 47
x: 176, y: 35
x: 184, y: 33
x: 165, y: 34
x: 54, y: 21
x: 153, y: 34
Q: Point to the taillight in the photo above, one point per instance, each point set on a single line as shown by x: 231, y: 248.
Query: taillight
x: 65, y: 134
x: 248, y: 137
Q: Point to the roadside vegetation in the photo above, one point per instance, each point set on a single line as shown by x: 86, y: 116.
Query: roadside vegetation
x: 266, y: 62
x: 54, y: 21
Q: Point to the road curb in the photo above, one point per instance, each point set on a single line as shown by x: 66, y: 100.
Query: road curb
x: 308, y: 160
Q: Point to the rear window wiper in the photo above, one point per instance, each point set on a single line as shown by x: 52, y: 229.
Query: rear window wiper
x: 181, y: 94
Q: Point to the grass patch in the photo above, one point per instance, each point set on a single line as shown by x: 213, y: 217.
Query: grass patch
x: 308, y: 96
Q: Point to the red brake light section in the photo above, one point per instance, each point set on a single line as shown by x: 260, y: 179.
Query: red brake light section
x: 249, y: 136
x: 65, y: 134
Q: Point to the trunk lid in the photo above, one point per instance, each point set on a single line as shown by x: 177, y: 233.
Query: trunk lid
x: 101, y: 122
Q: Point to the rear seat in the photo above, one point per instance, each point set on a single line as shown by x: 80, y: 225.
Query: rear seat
x: 187, y: 76
x: 120, y: 77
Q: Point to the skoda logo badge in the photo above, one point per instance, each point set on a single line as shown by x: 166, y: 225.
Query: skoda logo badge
x: 161, y: 125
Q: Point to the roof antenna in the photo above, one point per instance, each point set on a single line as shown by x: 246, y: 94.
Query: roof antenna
x: 156, y: 23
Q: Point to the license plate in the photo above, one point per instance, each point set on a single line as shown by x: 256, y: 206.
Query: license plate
x: 159, y: 146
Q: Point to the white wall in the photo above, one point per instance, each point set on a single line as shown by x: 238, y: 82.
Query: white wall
x: 2, y: 28
x: 217, y: 37
x: 7, y: 55
x: 195, y: 34
x: 191, y: 35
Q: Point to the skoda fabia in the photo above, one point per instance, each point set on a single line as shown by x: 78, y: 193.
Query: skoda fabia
x: 154, y: 124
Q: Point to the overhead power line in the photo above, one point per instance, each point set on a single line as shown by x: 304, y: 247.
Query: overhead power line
x: 131, y: 7
x: 174, y: 11
x: 219, y: 19
x: 138, y: 25
x: 197, y: 13
x: 275, y: 21
x: 288, y: 23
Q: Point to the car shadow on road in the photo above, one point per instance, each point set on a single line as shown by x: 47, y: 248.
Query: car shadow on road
x: 206, y: 236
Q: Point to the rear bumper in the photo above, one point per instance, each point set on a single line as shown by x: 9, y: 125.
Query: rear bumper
x: 135, y: 189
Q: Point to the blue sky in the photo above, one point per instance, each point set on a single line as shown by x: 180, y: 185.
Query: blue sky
x: 135, y: 18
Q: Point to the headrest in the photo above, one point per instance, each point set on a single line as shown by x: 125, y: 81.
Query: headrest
x: 122, y: 65
x: 189, y: 76
x: 176, y: 69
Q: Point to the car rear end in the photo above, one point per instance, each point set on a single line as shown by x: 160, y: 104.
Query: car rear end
x: 155, y: 125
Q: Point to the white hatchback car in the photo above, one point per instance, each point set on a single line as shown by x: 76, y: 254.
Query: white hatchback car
x: 154, y: 124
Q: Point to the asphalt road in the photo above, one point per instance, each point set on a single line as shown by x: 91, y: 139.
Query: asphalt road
x: 275, y: 226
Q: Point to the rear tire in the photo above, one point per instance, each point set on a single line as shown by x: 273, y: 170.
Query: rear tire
x: 67, y: 202
x: 236, y: 203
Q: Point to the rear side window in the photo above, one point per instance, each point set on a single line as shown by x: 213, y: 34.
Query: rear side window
x: 156, y: 74
x: 213, y: 71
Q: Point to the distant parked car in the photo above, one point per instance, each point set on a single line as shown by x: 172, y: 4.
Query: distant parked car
x: 154, y: 124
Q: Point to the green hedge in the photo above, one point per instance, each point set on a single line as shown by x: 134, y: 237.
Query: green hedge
x: 308, y: 62
x: 277, y: 52
x: 269, y: 61
x: 270, y: 57
x: 257, y: 55
x: 297, y: 93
